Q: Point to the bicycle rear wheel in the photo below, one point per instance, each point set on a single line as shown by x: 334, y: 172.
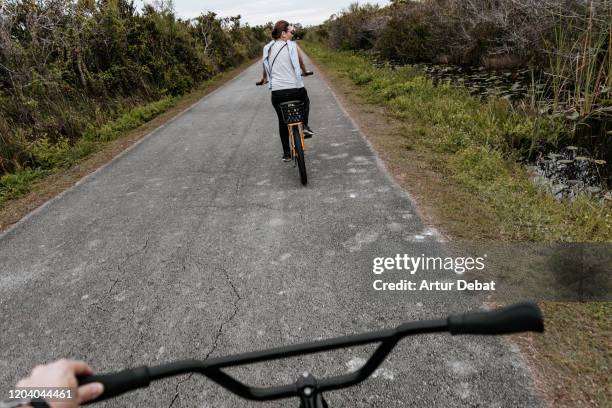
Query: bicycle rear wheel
x: 299, y: 154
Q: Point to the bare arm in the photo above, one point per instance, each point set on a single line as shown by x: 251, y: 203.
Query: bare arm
x: 264, y: 77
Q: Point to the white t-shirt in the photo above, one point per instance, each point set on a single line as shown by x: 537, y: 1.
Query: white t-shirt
x: 283, y: 74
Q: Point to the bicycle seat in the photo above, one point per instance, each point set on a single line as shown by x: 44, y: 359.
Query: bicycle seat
x: 293, y: 111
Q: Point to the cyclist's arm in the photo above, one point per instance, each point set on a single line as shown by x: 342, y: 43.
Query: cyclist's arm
x: 264, y: 77
x: 302, y: 66
x: 63, y: 374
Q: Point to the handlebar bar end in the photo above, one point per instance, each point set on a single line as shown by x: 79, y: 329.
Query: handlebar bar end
x: 517, y: 318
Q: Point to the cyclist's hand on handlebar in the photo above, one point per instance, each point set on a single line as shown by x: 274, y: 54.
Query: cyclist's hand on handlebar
x: 307, y: 73
x: 63, y: 374
x: 261, y: 82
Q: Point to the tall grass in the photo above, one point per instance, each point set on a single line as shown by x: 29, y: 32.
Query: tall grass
x: 558, y: 65
x: 580, y: 66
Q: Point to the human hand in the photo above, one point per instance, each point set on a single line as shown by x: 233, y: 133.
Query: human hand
x: 62, y: 374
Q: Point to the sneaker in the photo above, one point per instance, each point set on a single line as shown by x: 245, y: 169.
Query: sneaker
x: 307, y: 132
x: 286, y: 158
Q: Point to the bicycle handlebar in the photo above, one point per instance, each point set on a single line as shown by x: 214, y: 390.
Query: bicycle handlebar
x: 512, y: 319
x: 120, y: 382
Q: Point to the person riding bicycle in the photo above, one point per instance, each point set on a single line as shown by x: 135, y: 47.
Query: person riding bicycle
x: 282, y: 69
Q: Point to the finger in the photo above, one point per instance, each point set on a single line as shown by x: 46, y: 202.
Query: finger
x: 89, y: 392
x: 79, y: 367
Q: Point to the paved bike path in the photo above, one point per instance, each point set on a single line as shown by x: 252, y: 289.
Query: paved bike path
x: 200, y: 242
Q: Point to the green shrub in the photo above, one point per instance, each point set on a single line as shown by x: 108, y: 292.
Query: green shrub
x: 100, y: 60
x: 18, y: 183
x: 47, y: 155
x: 405, y: 38
x: 479, y: 164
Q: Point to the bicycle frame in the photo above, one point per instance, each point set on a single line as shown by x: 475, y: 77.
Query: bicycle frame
x: 300, y: 126
x: 513, y: 319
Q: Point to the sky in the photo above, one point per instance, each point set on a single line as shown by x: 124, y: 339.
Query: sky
x: 306, y: 12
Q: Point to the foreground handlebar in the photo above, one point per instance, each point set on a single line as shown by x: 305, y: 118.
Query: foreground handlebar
x: 517, y: 318
x: 512, y: 319
x: 118, y: 383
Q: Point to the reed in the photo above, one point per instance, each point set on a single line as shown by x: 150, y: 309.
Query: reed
x: 609, y: 79
x: 558, y: 65
x: 580, y: 65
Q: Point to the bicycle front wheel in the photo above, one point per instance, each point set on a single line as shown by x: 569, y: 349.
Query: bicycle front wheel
x: 299, y: 154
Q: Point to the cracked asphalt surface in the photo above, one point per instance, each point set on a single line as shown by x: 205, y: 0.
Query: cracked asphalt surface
x: 200, y: 242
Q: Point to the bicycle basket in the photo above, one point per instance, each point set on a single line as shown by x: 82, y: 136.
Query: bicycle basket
x: 293, y: 111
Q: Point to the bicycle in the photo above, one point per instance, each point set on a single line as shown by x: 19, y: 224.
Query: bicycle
x: 293, y: 116
x: 512, y: 319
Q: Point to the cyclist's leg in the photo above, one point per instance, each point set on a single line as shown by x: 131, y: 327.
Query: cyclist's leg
x: 278, y: 98
x: 304, y: 97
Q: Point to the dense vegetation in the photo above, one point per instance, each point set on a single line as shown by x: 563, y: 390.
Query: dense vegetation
x: 569, y: 42
x: 69, y: 67
x: 473, y: 145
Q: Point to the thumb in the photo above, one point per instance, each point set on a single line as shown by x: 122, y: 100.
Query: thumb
x: 89, y: 392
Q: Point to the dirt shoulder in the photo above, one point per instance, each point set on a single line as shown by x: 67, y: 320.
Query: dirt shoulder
x: 53, y: 184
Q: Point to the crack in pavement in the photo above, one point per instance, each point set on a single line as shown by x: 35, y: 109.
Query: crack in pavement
x: 97, y: 306
x: 234, y: 304
x: 177, y: 391
x: 113, y: 286
x: 218, y: 335
x: 133, y: 254
x: 120, y: 271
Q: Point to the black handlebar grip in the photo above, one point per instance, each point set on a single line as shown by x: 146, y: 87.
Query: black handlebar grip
x: 118, y: 383
x: 307, y: 73
x: 517, y: 318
